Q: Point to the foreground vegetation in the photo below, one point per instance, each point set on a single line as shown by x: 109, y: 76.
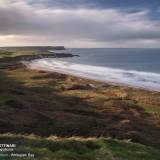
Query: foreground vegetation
x: 44, y: 104
x: 75, y: 148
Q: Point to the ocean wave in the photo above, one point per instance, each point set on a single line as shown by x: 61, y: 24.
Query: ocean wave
x: 146, y: 80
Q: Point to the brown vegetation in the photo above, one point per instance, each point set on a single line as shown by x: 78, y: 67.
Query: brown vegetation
x: 47, y: 104
x: 54, y: 104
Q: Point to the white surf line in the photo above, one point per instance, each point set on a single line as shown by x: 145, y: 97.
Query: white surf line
x: 145, y: 80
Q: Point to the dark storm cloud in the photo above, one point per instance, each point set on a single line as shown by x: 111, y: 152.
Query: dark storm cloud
x: 99, y: 3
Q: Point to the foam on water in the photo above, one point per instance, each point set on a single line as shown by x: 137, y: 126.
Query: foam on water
x: 146, y: 80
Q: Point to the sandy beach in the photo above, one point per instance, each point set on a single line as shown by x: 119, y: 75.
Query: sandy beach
x: 101, y: 74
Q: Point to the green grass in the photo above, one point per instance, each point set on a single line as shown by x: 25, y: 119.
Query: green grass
x: 79, y: 148
x: 4, y: 53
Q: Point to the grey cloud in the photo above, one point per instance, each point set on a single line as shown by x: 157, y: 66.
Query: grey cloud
x: 108, y: 25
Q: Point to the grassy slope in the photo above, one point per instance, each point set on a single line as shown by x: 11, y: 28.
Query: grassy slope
x: 54, y: 104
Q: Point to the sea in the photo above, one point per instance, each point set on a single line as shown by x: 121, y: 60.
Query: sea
x: 136, y: 67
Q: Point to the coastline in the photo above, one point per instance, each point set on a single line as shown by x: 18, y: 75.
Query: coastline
x: 44, y: 104
x: 38, y: 65
x: 82, y: 107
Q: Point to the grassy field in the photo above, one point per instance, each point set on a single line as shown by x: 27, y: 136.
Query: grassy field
x: 52, y: 104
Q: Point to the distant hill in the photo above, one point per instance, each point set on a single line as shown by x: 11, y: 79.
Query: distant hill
x: 28, y: 48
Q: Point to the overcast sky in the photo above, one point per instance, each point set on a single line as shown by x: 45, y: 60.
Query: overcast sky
x: 80, y: 23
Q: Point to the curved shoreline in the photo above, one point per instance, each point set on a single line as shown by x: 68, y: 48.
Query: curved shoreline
x: 54, y: 66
